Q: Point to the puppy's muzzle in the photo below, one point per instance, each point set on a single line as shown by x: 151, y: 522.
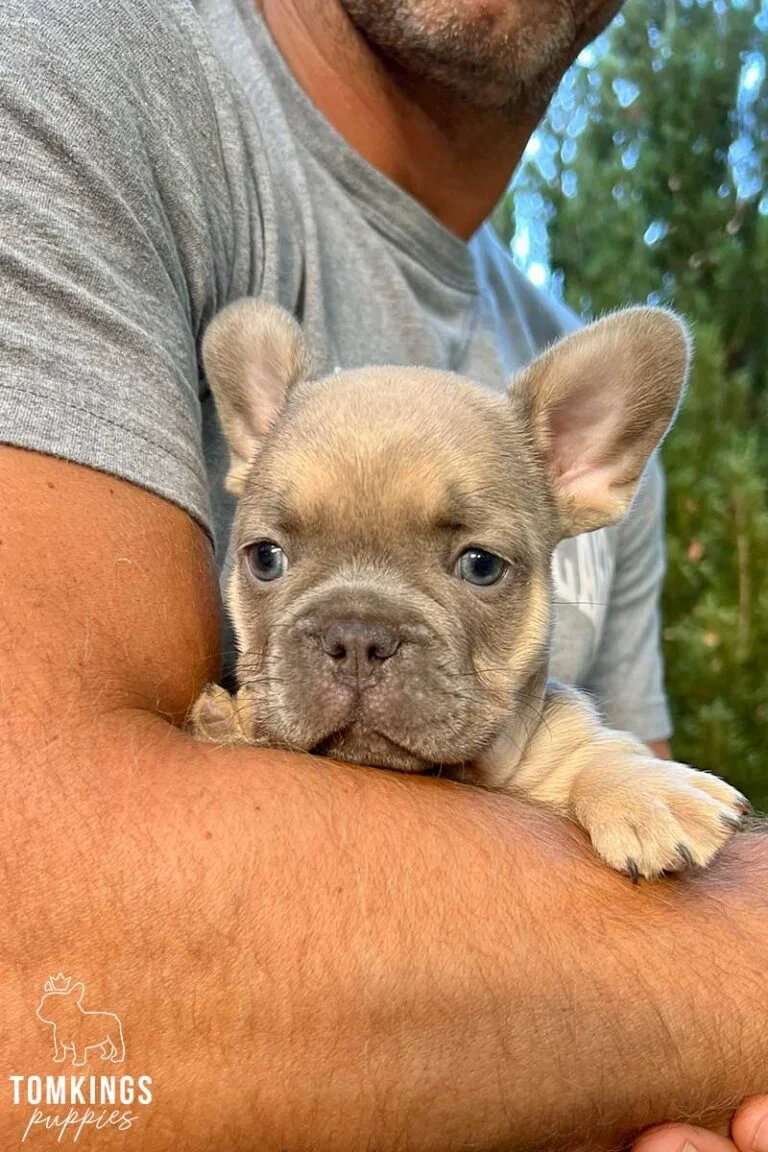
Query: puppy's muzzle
x: 367, y: 675
x: 359, y: 648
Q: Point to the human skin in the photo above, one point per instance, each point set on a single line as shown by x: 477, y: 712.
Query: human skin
x: 456, y: 159
x: 306, y: 954
x: 302, y: 953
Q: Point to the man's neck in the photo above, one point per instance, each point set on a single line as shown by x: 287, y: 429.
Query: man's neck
x: 456, y: 161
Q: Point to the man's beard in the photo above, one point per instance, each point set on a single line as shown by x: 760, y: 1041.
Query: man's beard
x: 507, y: 57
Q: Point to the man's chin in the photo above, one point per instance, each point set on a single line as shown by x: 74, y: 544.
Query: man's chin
x: 371, y: 749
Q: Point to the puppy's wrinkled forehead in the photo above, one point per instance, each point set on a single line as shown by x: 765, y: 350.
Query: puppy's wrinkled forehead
x: 380, y: 448
x: 386, y: 450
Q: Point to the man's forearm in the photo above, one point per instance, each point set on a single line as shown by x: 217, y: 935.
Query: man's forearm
x: 309, y: 955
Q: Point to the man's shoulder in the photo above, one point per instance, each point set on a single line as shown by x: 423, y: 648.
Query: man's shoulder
x: 77, y: 23
x: 135, y: 84
x: 544, y: 317
x: 107, y: 48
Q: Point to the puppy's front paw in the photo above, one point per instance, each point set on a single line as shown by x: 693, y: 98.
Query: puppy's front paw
x: 647, y: 816
x: 219, y: 718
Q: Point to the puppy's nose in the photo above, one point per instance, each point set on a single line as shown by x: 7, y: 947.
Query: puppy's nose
x: 358, y: 647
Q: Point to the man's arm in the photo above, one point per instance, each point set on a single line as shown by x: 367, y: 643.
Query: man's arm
x: 304, y: 954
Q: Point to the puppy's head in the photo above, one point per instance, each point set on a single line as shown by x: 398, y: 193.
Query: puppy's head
x: 395, y: 526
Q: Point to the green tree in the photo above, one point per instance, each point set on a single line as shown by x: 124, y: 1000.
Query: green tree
x: 648, y: 180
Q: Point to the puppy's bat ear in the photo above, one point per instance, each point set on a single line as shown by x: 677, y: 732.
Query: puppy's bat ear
x: 253, y: 352
x: 598, y: 403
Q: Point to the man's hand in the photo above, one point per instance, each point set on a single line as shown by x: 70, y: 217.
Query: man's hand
x: 749, y: 1133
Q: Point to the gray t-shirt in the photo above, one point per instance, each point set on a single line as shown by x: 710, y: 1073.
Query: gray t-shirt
x: 158, y: 159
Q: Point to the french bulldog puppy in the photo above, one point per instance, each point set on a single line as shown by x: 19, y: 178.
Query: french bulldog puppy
x: 391, y: 595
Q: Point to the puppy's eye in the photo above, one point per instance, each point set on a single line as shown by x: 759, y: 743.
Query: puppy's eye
x: 477, y: 566
x: 267, y: 560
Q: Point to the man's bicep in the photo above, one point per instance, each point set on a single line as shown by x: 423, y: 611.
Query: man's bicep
x: 108, y: 595
x: 106, y: 275
x: 116, y: 242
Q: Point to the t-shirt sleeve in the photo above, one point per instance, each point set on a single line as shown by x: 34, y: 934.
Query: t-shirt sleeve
x: 628, y: 674
x: 102, y: 245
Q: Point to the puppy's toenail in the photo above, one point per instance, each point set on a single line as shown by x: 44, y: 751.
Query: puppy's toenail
x: 685, y: 855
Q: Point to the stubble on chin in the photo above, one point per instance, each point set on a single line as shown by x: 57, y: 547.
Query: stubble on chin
x: 493, y: 57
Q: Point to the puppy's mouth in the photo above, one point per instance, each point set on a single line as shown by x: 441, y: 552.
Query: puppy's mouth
x: 361, y: 745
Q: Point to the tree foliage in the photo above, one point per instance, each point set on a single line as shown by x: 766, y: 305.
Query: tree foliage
x: 648, y: 180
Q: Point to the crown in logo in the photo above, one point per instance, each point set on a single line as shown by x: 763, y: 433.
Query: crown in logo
x: 58, y: 983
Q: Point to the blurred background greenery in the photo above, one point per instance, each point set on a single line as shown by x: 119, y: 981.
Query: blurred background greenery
x: 647, y: 182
